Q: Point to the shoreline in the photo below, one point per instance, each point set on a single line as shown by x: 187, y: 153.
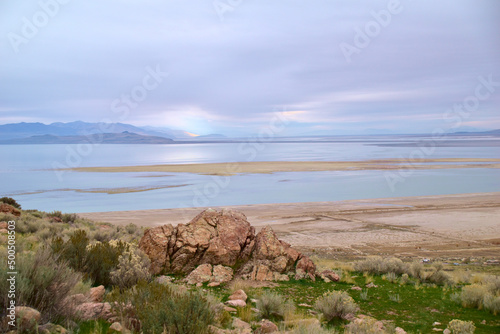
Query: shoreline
x: 266, y: 167
x: 442, y: 225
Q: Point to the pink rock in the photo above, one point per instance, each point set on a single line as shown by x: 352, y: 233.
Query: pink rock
x: 97, y: 294
x: 239, y: 295
x: 236, y: 303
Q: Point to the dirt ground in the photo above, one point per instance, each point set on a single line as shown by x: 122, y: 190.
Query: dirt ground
x: 447, y: 226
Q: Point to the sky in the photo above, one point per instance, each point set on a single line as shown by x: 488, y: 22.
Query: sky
x: 239, y: 67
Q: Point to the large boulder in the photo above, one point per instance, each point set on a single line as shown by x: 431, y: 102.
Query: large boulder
x: 223, y: 239
x: 94, y: 311
x: 214, y: 237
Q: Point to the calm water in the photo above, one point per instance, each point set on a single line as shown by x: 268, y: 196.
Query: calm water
x: 27, y: 175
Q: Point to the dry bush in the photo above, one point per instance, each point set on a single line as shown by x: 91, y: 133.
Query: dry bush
x: 461, y: 327
x: 379, y: 265
x: 492, y: 303
x: 271, y: 304
x: 336, y: 304
x: 239, y: 284
x: 473, y: 295
x: 312, y: 328
x: 133, y: 266
x: 366, y: 325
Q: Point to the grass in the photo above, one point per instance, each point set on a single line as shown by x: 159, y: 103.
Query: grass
x: 415, y: 312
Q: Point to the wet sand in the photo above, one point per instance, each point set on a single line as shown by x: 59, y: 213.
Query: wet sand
x: 233, y: 168
x: 452, y: 226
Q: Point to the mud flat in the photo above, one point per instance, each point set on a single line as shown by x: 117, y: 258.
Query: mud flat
x: 447, y: 225
x: 259, y: 167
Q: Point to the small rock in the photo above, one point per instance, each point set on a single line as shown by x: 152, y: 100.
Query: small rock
x: 97, y: 294
x: 50, y: 328
x: 202, y: 274
x: 94, y: 311
x: 331, y: 275
x: 253, y: 300
x: 3, y: 225
x: 27, y: 317
x: 399, y: 330
x: 437, y: 329
x: 371, y: 285
x: 483, y: 322
x: 164, y: 279
x: 266, y: 326
x: 436, y: 323
x: 357, y: 288
x: 3, y: 231
x: 221, y: 274
x: 213, y: 284
x: 236, y: 303
x: 229, y: 309
x: 305, y: 305
x: 116, y: 327
x: 239, y: 294
x: 446, y: 331
x: 199, y: 284
x: 240, y: 324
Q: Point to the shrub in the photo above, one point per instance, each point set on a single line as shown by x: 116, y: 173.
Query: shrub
x: 379, y: 265
x: 271, y: 304
x: 473, y: 295
x: 10, y: 201
x: 492, y: 303
x: 312, y: 328
x: 42, y: 283
x: 101, y: 259
x: 364, y: 326
x: 133, y: 266
x: 336, y: 304
x: 185, y: 313
x: 461, y: 327
x: 95, y: 261
x: 57, y: 214
x: 416, y: 270
x: 69, y: 218
x: 440, y: 277
x: 404, y: 279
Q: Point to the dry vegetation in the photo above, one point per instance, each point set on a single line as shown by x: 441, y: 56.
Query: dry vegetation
x: 62, y: 254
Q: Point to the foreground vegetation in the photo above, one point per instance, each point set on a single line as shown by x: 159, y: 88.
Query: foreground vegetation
x: 61, y: 255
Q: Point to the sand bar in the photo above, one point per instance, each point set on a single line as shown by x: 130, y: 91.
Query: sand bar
x: 446, y: 225
x: 232, y: 168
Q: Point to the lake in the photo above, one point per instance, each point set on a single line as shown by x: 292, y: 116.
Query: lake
x: 28, y: 175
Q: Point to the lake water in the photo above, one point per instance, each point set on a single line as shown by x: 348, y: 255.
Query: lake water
x: 28, y: 175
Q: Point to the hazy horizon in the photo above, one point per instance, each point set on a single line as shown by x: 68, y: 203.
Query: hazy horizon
x: 331, y: 68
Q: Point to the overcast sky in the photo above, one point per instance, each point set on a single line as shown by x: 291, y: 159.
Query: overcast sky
x: 232, y: 64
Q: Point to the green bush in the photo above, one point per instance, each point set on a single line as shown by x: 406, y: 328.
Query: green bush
x: 95, y: 261
x: 10, y: 201
x: 42, y: 283
x: 69, y: 218
x: 461, y: 327
x: 170, y: 312
x: 336, y: 304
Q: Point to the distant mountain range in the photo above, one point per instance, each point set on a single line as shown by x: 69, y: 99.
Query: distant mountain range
x: 70, y: 132
x: 102, y: 138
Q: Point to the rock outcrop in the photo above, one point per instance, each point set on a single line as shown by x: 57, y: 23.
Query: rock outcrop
x: 6, y: 208
x: 227, y: 239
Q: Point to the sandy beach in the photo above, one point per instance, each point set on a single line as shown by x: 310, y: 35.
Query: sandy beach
x: 232, y: 168
x: 429, y: 226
